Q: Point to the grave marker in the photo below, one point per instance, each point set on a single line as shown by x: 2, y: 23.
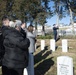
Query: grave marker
x: 52, y: 44
x: 64, y: 45
x: 64, y: 65
x: 42, y: 44
x: 25, y: 72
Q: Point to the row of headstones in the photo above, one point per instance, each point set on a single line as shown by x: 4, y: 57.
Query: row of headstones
x: 53, y: 45
x: 64, y: 63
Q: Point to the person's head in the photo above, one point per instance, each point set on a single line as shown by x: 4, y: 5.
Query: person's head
x: 30, y: 28
x: 5, y: 20
x: 54, y: 24
x: 23, y: 26
x: 18, y: 24
x: 11, y: 24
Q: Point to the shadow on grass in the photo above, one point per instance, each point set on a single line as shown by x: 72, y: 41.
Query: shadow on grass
x: 56, y: 47
x: 44, y: 63
x: 38, y: 57
x: 46, y: 48
x: 58, y: 39
x: 37, y: 46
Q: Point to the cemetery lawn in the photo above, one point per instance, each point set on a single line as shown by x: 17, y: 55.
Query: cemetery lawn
x: 46, y: 60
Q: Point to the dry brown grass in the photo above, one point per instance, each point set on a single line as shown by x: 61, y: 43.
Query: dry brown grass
x: 46, y: 61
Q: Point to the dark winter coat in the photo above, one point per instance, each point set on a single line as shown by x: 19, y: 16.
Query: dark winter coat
x: 55, y: 30
x: 2, y: 50
x: 16, y: 48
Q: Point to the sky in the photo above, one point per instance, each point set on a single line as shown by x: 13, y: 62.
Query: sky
x: 52, y: 20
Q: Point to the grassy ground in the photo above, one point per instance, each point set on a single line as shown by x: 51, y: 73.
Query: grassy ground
x: 46, y: 60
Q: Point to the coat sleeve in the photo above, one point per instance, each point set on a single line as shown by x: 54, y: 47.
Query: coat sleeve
x: 31, y: 35
x: 24, y: 44
x: 19, y: 42
x: 5, y: 30
x: 55, y: 28
x: 23, y: 32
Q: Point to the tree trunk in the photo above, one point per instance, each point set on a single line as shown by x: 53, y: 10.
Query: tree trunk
x: 36, y: 29
x: 71, y: 20
x: 43, y: 30
x: 71, y: 17
x: 57, y: 23
x: 35, y: 25
x: 57, y: 19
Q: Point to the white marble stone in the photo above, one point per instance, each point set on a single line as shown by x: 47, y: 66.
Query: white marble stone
x: 64, y: 45
x: 25, y: 72
x: 52, y: 45
x: 64, y: 65
x: 42, y: 44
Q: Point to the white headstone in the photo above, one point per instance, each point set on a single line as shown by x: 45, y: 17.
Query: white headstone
x: 52, y: 44
x: 42, y: 44
x: 64, y: 65
x: 64, y: 45
x: 25, y: 72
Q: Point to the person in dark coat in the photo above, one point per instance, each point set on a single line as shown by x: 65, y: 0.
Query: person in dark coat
x: 55, y: 28
x: 16, y: 50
